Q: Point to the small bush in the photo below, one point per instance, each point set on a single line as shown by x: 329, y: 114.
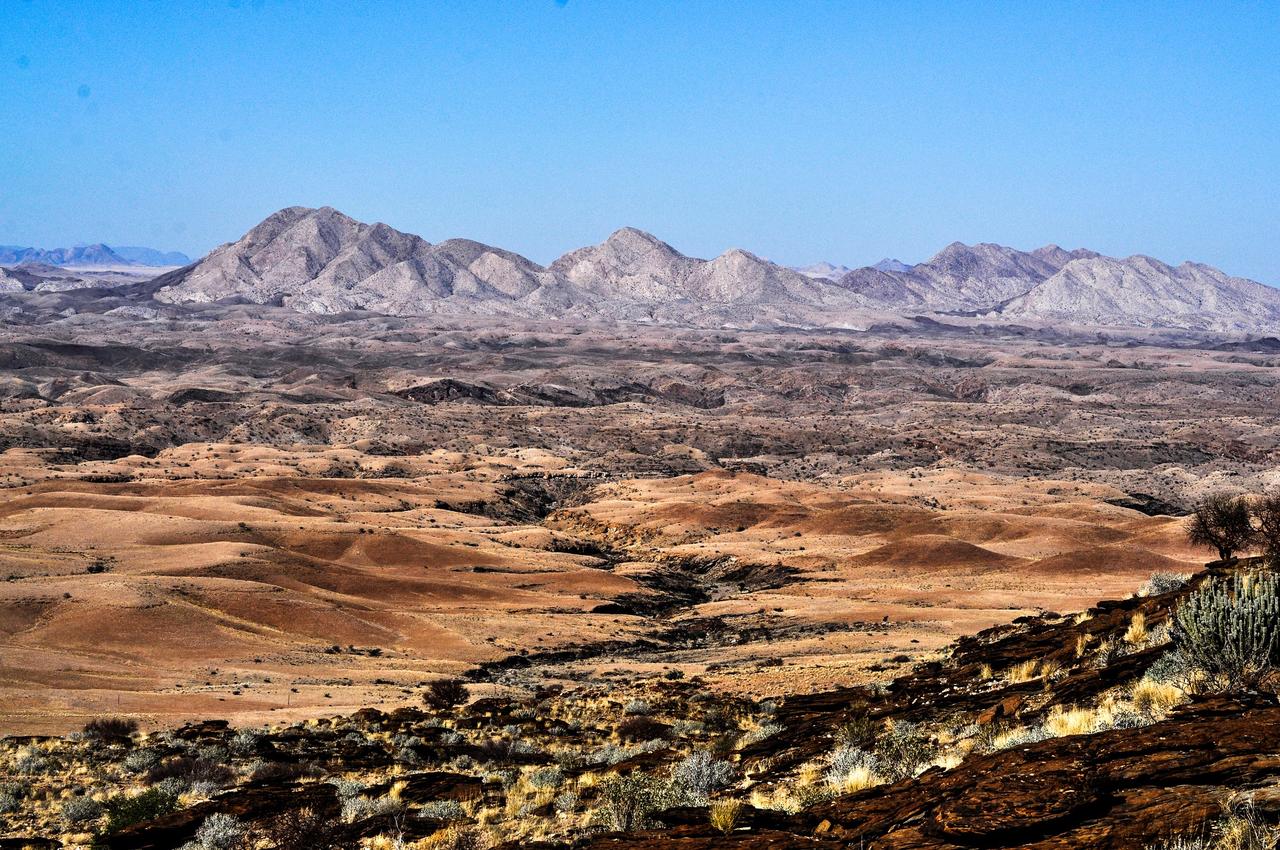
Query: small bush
x: 566, y: 802
x: 192, y: 771
x: 630, y: 801
x: 142, y: 759
x: 546, y: 777
x: 111, y: 729
x: 637, y: 707
x: 347, y: 788
x: 445, y: 694
x: 124, y: 810
x: 859, y: 731
x: 1019, y: 736
x: 701, y: 773
x: 903, y: 750
x: 304, y: 829
x: 275, y: 772
x: 9, y: 803
x: 79, y: 810
x: 641, y: 728
x: 362, y: 808
x: 763, y: 732
x: 850, y: 769
x: 221, y: 831
x: 442, y: 810
x: 1161, y: 583
x: 1230, y: 629
x: 28, y: 761
x: 246, y: 742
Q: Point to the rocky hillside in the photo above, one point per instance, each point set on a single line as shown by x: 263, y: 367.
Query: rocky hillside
x: 1096, y: 731
x: 958, y: 278
x: 1144, y: 292
x: 321, y: 261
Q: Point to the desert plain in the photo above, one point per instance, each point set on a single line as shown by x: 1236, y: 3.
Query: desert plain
x: 267, y: 516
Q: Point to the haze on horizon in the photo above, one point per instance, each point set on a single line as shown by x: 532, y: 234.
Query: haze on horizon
x: 803, y: 131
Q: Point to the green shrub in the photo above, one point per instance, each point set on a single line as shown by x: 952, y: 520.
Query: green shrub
x: 1230, y: 629
x: 631, y: 801
x: 123, y: 810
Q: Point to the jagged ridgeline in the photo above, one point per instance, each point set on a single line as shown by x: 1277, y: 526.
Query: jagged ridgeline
x: 321, y: 261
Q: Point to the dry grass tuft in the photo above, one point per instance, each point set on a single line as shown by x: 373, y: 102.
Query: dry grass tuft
x: 1071, y: 721
x: 1156, y: 698
x: 1024, y: 672
x: 724, y: 815
x: 1137, y: 631
x: 857, y: 779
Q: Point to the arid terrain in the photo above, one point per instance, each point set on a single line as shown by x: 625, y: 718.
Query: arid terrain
x: 267, y: 515
x: 677, y: 567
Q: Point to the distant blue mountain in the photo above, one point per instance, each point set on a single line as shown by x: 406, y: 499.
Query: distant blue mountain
x: 152, y: 257
x: 91, y: 255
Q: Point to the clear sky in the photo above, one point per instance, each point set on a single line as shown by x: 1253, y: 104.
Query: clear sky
x: 799, y: 130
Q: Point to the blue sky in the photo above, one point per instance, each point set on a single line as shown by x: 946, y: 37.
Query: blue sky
x: 799, y: 130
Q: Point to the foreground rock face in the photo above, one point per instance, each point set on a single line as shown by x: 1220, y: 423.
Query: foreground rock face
x: 1119, y: 789
x: 1115, y: 789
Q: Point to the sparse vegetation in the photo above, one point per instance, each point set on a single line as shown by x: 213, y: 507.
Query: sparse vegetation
x: 220, y: 831
x: 852, y: 769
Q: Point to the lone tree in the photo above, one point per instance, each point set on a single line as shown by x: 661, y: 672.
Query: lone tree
x: 1266, y: 516
x: 1223, y: 523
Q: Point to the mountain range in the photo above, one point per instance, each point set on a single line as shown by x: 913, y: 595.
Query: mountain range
x: 98, y: 255
x: 321, y: 261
